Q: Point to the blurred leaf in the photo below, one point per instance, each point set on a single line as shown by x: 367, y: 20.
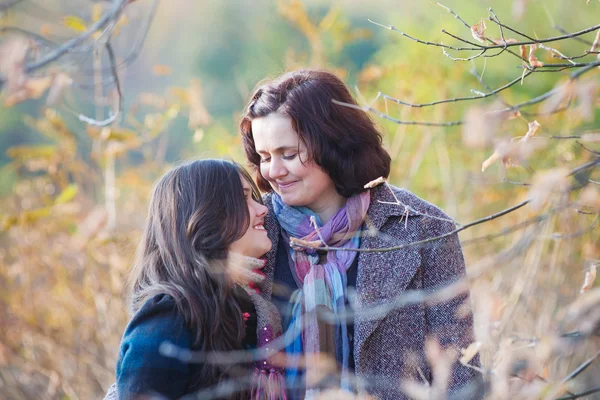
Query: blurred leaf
x: 97, y: 9
x: 33, y: 151
x: 161, y: 70
x: 67, y: 194
x: 545, y: 183
x: 590, y: 277
x: 75, y: 23
x: 32, y: 216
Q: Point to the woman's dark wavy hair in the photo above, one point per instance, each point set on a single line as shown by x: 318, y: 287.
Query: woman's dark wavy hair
x: 342, y: 140
x: 196, y: 211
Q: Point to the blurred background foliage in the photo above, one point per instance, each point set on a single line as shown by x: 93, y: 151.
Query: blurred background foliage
x: 73, y: 197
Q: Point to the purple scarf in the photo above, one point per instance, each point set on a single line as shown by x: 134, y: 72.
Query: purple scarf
x: 322, y: 284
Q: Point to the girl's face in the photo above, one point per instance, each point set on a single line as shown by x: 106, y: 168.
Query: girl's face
x: 285, y: 165
x: 255, y: 242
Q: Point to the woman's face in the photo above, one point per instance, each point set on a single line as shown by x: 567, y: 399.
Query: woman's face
x: 285, y: 165
x: 255, y: 242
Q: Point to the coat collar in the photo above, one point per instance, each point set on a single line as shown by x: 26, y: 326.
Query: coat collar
x: 388, y: 201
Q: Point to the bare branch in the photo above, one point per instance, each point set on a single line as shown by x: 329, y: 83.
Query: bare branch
x: 457, y: 99
x: 389, y: 118
x: 479, y: 47
x: 393, y: 28
x: 112, y: 116
x: 67, y: 46
x: 455, y: 15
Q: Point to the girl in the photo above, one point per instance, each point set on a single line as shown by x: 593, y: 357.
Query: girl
x: 190, y: 290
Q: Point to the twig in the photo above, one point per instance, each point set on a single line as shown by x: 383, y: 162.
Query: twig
x: 581, y: 394
x: 587, y: 53
x: 456, y: 99
x: 551, y: 92
x: 585, y: 166
x: 385, y: 116
x: 560, y: 236
x: 393, y: 28
x: 479, y: 47
x: 501, y: 25
x: 455, y: 15
x: 554, y: 51
x: 564, y: 31
x: 112, y: 116
x: 432, y: 239
x: 587, y: 148
x: 580, y: 368
x: 482, y: 52
x: 137, y: 47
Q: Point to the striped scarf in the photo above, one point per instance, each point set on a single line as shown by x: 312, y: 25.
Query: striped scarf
x: 321, y: 283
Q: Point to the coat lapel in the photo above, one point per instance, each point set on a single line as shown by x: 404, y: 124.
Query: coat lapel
x: 273, y: 232
x: 382, y: 276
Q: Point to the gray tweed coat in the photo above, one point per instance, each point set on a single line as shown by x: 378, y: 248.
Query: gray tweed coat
x: 387, y: 346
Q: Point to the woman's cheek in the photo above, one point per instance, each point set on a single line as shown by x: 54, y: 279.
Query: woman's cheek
x: 264, y: 171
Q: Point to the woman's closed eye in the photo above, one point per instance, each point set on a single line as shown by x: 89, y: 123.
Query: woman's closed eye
x: 290, y: 156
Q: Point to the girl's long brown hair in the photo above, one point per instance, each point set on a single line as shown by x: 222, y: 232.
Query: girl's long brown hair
x: 196, y: 211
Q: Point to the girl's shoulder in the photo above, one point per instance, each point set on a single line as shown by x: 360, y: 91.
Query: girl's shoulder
x: 148, y: 354
x: 157, y: 321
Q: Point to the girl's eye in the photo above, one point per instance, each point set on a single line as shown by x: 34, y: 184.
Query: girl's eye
x: 290, y: 157
x: 264, y: 160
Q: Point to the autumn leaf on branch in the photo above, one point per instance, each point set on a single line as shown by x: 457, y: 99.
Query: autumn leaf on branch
x: 533, y: 61
x: 511, y: 153
x: 478, y: 31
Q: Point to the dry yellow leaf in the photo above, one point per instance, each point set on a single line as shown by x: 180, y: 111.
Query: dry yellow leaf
x: 492, y: 159
x: 523, y: 52
x: 301, y: 243
x: 75, y: 23
x: 375, y: 182
x: 470, y: 352
x: 533, y: 61
x: 478, y: 31
x: 590, y: 277
x: 596, y: 43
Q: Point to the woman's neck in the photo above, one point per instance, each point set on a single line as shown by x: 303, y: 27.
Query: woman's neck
x: 328, y: 206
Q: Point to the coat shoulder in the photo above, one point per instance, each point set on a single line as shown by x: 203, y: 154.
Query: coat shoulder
x: 408, y: 204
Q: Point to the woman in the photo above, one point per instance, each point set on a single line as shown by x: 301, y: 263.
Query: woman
x: 314, y: 156
x: 189, y: 290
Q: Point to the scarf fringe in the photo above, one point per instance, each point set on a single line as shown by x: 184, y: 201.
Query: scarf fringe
x: 268, y: 385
